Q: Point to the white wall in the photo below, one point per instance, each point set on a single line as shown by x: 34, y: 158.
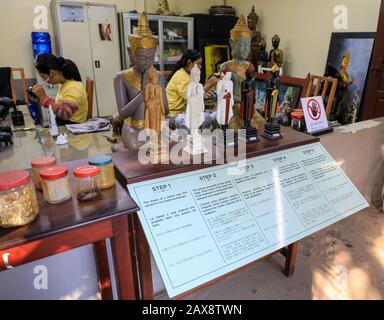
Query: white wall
x: 305, y: 27
x: 16, y: 24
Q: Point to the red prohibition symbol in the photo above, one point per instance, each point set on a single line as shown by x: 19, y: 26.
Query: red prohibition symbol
x: 314, y: 109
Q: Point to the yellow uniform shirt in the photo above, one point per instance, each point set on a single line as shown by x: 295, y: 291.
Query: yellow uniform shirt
x: 177, y: 92
x: 73, y: 91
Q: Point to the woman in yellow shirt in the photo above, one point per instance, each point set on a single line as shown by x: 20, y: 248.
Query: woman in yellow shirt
x: 178, y: 85
x: 71, y: 103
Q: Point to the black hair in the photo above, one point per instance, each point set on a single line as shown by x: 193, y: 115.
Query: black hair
x: 190, y: 54
x: 47, y: 61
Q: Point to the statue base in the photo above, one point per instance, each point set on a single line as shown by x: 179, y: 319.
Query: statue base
x: 272, y: 131
x: 224, y: 140
x: 195, y: 145
x: 158, y: 153
x: 248, y: 135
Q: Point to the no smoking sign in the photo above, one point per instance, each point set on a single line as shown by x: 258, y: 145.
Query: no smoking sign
x: 314, y: 109
x: 314, y: 113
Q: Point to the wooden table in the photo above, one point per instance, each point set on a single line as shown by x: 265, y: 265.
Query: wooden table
x: 129, y: 170
x: 72, y: 224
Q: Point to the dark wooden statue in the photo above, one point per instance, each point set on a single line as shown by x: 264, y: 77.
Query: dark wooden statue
x: 263, y: 54
x: 255, y: 37
x: 272, y: 128
x: 248, y: 133
x: 276, y: 55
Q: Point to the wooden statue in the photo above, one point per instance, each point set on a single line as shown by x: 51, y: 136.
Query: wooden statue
x: 248, y: 97
x: 276, y: 55
x: 154, y: 118
x: 272, y: 128
x: 263, y: 54
x: 255, y: 37
x: 248, y: 133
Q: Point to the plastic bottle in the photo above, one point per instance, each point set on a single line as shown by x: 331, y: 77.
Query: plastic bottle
x: 52, y: 122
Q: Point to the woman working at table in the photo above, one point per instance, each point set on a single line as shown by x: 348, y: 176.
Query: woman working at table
x: 71, y: 103
x: 178, y: 85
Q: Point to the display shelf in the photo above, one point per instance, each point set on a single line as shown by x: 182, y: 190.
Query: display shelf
x: 175, y: 41
x: 165, y: 27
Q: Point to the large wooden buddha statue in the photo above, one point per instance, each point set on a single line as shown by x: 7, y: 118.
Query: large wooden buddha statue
x: 240, y: 42
x: 129, y: 84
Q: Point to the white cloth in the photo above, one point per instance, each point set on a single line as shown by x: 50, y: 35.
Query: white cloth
x: 92, y: 125
x: 223, y: 87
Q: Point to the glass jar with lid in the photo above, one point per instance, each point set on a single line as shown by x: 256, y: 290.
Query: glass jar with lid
x: 18, y: 202
x: 55, y: 183
x: 38, y: 165
x: 107, y: 170
x: 87, y: 183
x: 297, y: 121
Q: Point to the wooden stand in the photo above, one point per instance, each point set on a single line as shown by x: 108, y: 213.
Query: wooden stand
x: 129, y: 170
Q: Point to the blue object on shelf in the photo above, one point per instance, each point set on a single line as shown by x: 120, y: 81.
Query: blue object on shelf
x: 34, y: 111
x: 41, y: 42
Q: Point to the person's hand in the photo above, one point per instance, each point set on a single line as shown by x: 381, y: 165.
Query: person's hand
x: 38, y: 91
x: 212, y: 81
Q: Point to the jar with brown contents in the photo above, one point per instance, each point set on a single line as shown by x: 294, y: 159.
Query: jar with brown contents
x: 18, y: 202
x: 87, y: 183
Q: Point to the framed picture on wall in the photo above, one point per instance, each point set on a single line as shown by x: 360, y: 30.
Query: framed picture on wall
x: 291, y: 90
x: 348, y: 61
x: 290, y: 93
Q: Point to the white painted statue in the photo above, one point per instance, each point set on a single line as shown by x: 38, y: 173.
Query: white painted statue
x: 225, y: 100
x: 195, y: 102
x: 194, y: 116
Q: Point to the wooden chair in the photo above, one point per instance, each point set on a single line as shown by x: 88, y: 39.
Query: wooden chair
x: 23, y: 85
x: 89, y: 86
x: 327, y: 85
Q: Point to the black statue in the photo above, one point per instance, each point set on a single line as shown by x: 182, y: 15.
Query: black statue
x: 248, y: 97
x: 247, y: 105
x: 272, y: 128
x: 6, y: 138
x: 263, y: 54
x: 5, y: 105
x: 6, y: 129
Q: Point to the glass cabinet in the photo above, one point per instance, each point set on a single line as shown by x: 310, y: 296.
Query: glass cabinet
x: 175, y: 36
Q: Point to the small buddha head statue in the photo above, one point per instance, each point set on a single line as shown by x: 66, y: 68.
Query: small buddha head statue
x: 153, y: 75
x: 275, y: 41
x: 253, y: 19
x: 195, y: 74
x: 142, y: 46
x: 240, y: 40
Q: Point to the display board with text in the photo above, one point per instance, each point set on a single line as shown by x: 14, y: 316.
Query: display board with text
x: 204, y: 224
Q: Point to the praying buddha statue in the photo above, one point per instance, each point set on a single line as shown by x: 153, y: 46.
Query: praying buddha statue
x: 129, y: 84
x: 240, y: 42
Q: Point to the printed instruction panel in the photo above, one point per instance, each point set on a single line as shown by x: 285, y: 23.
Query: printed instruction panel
x: 204, y: 224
